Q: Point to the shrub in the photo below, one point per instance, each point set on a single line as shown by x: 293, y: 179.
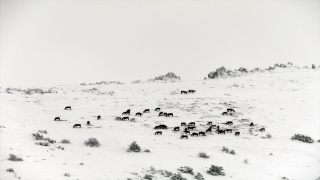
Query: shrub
x: 50, y: 140
x: 216, y: 171
x: 268, y: 136
x: 81, y: 164
x: 203, y: 155
x: 10, y: 170
x: 186, y: 169
x: 147, y: 150
x: 199, y: 176
x: 43, y: 143
x: 65, y: 141
x: 245, y: 161
x: 37, y: 136
x: 43, y: 131
x: 302, y: 138
x: 225, y: 149
x: 147, y: 176
x: 232, y: 152
x: 165, y: 173
x: 319, y: 141
x: 14, y: 158
x: 67, y: 174
x: 92, y: 142
x: 177, y: 177
x: 134, y: 147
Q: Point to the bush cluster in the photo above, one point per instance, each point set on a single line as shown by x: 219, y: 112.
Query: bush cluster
x: 92, y: 142
x: 216, y: 171
x: 186, y: 169
x: 203, y: 155
x: 13, y: 157
x: 134, y: 147
x: 302, y: 138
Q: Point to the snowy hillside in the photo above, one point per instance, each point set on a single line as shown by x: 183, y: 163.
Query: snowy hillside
x: 284, y: 102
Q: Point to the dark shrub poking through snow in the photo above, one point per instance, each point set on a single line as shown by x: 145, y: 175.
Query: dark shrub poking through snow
x: 134, y: 147
x: 14, y: 158
x: 92, y: 142
x: 216, y: 171
x: 302, y: 138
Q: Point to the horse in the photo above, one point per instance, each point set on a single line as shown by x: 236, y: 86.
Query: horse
x: 194, y: 134
x: 229, y: 123
x: 146, y: 111
x: 98, y: 117
x: 183, y: 124
x: 209, y: 123
x: 165, y: 114
x: 176, y: 128
x: 237, y: 134
x: 224, y: 113
x: 157, y: 127
x: 230, y: 110
x: 118, y: 118
x: 160, y: 113
x: 187, y: 132
x: 67, y: 107
x: 220, y: 131
x: 138, y: 114
x: 213, y: 126
x: 77, y: 125
x: 251, y: 124
x: 229, y: 130
x: 124, y: 118
x: 158, y: 133
x: 191, y: 124
x: 191, y: 128
x: 162, y: 126
x: 169, y: 114
x: 126, y: 113
x: 88, y: 123
x: 201, y: 133
x: 157, y: 109
x: 208, y: 130
x: 184, y: 92
x: 184, y: 137
x: 57, y: 118
x: 192, y: 91
x: 262, y: 129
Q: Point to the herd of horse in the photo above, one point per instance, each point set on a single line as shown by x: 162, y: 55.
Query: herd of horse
x: 191, y: 126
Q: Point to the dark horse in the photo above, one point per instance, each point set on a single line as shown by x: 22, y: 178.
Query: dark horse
x: 192, y: 91
x: 160, y: 113
x: 98, y: 117
x: 124, y: 118
x: 229, y: 123
x: 191, y: 128
x: 191, y: 124
x: 184, y: 137
x: 138, y: 114
x: 201, y: 133
x: 158, y: 132
x: 183, y: 124
x: 251, y: 124
x: 157, y: 109
x: 126, y: 113
x: 224, y: 113
x: 229, y: 130
x: 88, y: 123
x: 146, y: 110
x: 209, y: 123
x: 169, y: 114
x: 262, y: 129
x: 77, y: 125
x: 237, y: 134
x: 184, y: 92
x: 220, y: 131
x: 67, y: 107
x: 186, y: 131
x: 176, y: 128
x: 230, y: 110
x: 194, y: 134
x: 57, y: 118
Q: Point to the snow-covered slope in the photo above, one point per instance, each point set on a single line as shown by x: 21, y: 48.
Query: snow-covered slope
x: 285, y: 103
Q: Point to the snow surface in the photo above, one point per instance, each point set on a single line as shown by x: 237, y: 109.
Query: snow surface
x: 284, y: 102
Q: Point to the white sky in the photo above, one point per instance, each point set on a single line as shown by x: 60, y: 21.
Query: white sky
x: 48, y: 43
